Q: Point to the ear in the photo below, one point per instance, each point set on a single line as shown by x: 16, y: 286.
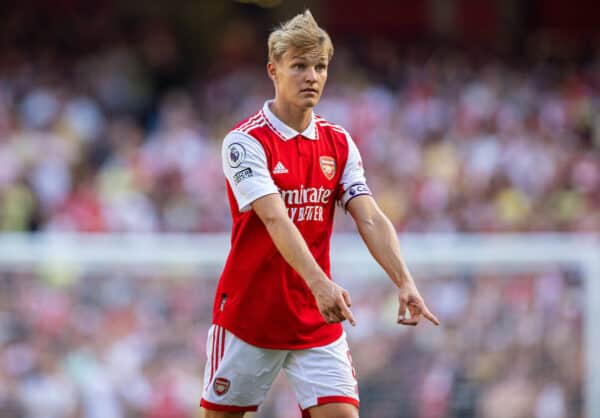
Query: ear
x: 271, y: 70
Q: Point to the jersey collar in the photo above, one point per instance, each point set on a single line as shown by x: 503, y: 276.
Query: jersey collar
x: 284, y: 131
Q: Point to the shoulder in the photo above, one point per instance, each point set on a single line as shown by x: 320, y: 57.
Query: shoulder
x: 324, y: 124
x: 334, y: 131
x: 239, y: 145
x: 245, y: 132
x: 251, y: 123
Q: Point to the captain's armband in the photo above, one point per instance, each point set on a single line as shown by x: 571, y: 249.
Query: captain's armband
x: 357, y: 189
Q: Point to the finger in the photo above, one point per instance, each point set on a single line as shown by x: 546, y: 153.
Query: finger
x: 347, y: 313
x: 414, y: 310
x: 413, y: 318
x: 431, y: 317
x: 331, y: 318
x: 409, y: 321
x: 419, y: 308
x: 326, y: 316
x: 346, y: 296
x: 402, y: 310
x: 335, y: 315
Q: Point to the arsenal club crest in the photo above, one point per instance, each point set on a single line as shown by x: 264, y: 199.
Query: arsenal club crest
x: 327, y: 166
x: 221, y: 386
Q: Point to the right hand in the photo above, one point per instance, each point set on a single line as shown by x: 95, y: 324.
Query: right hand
x: 333, y: 301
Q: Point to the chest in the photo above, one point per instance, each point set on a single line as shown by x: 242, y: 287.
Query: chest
x: 301, y: 163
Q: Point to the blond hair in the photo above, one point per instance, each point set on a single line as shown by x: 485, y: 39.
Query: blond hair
x: 301, y: 32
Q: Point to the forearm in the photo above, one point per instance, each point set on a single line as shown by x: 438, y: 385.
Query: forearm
x: 332, y: 300
x: 379, y: 235
x: 293, y: 248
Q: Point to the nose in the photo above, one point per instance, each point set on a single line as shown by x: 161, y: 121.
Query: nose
x: 311, y: 74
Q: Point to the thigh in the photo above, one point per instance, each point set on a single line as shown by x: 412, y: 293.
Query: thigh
x: 323, y: 375
x: 237, y: 375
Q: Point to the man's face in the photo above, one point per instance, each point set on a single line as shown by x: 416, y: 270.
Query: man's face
x: 299, y: 77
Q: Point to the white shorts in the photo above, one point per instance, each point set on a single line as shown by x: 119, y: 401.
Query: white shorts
x: 238, y: 375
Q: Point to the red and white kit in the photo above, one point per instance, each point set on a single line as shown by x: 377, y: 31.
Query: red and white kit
x: 260, y: 300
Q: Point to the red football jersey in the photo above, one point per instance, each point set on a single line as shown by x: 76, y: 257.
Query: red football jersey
x: 260, y: 297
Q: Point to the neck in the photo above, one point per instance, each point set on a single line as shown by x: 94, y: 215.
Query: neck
x: 294, y: 117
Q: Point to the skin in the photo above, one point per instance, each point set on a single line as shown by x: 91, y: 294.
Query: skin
x: 299, y: 79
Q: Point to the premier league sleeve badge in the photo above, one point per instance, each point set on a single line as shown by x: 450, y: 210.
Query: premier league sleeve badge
x: 236, y: 154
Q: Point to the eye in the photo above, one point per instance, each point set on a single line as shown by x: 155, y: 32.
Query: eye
x: 321, y: 67
x: 299, y: 66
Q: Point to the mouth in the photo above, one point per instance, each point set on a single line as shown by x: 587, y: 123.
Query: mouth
x: 313, y: 91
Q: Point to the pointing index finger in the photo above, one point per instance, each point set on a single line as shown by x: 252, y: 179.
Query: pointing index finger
x: 427, y: 314
x: 348, y: 314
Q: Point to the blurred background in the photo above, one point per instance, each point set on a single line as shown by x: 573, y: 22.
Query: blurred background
x: 477, y: 120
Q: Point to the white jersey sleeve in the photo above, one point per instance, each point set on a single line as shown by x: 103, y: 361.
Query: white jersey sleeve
x: 353, y: 179
x: 245, y: 167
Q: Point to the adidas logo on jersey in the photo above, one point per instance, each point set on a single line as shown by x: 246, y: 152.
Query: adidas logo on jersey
x: 279, y: 168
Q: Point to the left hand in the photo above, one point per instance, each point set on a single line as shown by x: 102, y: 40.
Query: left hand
x: 409, y: 298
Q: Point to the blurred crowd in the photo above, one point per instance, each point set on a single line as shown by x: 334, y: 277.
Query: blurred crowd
x: 124, y: 345
x: 122, y: 139
x: 104, y: 131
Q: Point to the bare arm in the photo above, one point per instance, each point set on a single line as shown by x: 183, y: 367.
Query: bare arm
x: 379, y: 235
x: 333, y: 301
